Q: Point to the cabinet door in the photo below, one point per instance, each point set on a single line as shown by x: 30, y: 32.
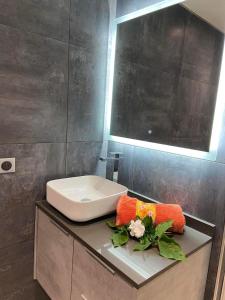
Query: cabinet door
x: 54, y: 254
x: 92, y: 279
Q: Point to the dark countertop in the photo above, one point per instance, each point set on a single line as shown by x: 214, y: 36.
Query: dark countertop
x: 136, y: 267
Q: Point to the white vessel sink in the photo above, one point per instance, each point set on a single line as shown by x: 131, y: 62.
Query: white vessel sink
x: 84, y: 198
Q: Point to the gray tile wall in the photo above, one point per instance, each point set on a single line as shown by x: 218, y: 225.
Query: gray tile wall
x: 52, y: 81
x: 198, y: 185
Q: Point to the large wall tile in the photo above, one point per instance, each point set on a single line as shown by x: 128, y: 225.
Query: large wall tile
x: 201, y: 62
x: 193, y: 119
x: 89, y: 24
x: 86, y: 95
x: 82, y: 158
x: 13, y: 273
x: 16, y: 267
x: 35, y: 165
x: 33, y: 95
x: 88, y: 60
x: 49, y: 18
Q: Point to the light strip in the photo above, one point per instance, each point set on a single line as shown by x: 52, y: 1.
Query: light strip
x: 110, y: 67
x: 162, y: 147
x: 219, y: 109
x: 220, y: 103
x: 147, y: 10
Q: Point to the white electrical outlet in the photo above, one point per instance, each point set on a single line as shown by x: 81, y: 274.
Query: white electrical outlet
x: 7, y: 165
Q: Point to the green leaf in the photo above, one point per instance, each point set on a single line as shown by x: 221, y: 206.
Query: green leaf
x: 123, y: 228
x: 120, y: 238
x: 111, y: 224
x: 142, y: 246
x: 162, y: 228
x: 147, y: 222
x: 144, y: 239
x: 169, y: 248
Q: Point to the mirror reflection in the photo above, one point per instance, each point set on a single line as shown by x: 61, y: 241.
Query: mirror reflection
x: 166, y: 75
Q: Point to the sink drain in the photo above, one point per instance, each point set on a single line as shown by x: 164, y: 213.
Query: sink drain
x: 85, y: 200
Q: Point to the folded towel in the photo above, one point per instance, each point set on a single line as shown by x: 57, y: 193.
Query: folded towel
x: 129, y: 208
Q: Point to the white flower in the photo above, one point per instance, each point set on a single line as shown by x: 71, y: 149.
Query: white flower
x: 136, y: 228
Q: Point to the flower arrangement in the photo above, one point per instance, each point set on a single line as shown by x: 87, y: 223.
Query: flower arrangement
x: 147, y: 235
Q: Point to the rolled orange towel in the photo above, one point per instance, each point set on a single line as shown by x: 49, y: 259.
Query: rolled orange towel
x: 129, y: 208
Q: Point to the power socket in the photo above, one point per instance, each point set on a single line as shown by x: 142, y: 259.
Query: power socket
x: 7, y: 165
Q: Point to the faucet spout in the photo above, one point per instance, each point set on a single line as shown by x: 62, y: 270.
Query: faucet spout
x: 114, y: 158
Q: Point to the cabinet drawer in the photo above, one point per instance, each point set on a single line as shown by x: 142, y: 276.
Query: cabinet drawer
x: 54, y: 254
x: 92, y: 279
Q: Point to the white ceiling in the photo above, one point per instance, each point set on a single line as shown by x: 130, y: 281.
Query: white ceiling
x: 212, y: 11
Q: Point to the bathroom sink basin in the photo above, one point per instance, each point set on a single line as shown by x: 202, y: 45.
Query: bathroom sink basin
x: 84, y: 198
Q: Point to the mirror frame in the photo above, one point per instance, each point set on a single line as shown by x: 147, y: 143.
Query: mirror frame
x: 220, y: 101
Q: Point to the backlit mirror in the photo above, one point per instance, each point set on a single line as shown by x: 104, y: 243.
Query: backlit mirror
x: 167, y: 81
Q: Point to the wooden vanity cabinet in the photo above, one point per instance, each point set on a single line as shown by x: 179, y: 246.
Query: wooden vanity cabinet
x: 67, y: 270
x: 93, y: 280
x: 53, y: 258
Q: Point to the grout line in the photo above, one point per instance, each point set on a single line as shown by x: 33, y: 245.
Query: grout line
x: 132, y: 166
x: 24, y: 31
x: 50, y: 143
x: 72, y: 271
x: 33, y: 143
x: 68, y: 89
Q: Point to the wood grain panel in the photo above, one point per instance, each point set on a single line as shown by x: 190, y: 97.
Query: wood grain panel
x: 92, y: 280
x: 223, y: 291
x: 54, y: 259
x: 184, y: 281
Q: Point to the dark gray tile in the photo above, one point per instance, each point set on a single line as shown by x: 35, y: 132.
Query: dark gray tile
x: 193, y: 120
x: 193, y: 183
x: 35, y: 165
x: 142, y: 98
x: 49, y: 18
x: 89, y: 23
x: 13, y: 273
x: 16, y: 273
x: 160, y: 44
x: 86, y: 95
x: 33, y: 88
x: 125, y: 164
x: 88, y: 59
x: 129, y: 45
x: 202, y: 52
x: 197, y: 185
x: 29, y: 291
x: 83, y: 158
